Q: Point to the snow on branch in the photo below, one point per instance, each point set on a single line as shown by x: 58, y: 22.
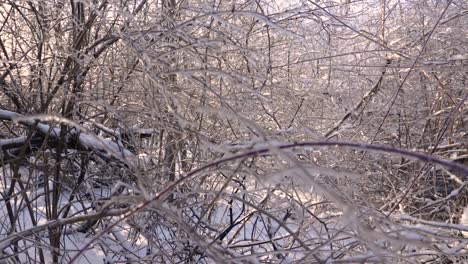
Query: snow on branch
x: 103, y: 147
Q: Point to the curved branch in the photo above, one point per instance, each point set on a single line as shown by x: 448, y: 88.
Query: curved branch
x: 264, y: 150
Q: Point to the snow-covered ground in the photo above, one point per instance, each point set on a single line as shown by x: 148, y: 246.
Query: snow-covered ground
x: 272, y: 222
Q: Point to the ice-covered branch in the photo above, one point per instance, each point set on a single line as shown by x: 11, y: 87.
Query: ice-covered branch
x: 103, y: 147
x: 15, y: 237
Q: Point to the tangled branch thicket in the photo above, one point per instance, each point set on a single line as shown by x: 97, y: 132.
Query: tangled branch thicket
x: 222, y: 131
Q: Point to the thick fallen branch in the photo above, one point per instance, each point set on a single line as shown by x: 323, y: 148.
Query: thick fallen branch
x: 11, y: 143
x: 77, y: 135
